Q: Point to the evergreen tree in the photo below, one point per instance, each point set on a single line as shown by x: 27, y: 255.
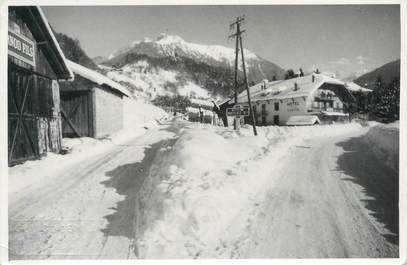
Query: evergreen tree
x: 289, y: 74
x: 385, y: 100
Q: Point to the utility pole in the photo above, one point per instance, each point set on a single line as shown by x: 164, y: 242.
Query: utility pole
x: 238, y: 37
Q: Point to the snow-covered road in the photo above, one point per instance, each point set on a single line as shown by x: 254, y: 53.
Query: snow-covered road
x: 333, y: 198
x: 306, y: 192
x: 87, y: 211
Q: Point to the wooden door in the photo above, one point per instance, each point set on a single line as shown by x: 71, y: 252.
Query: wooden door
x: 22, y: 112
x: 76, y: 110
x: 276, y: 120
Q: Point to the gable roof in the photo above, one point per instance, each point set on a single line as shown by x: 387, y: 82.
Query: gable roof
x: 355, y: 87
x: 202, y: 102
x: 282, y: 89
x: 97, y: 78
x: 42, y: 33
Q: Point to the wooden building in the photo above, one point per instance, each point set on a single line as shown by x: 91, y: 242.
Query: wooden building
x: 91, y: 105
x: 35, y: 64
x: 207, y: 108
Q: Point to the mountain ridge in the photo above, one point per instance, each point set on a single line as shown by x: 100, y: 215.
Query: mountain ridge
x: 387, y: 73
x: 214, y: 55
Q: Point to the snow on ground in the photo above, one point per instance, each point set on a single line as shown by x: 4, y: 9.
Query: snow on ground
x: 384, y: 139
x: 137, y: 118
x: 190, y: 191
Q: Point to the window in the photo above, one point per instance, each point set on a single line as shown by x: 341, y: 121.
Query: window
x: 276, y: 106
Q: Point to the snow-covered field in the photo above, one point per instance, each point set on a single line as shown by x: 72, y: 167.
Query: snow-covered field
x: 209, y: 180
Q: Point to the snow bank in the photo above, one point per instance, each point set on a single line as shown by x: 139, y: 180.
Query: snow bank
x: 303, y: 120
x: 384, y: 140
x: 208, y: 181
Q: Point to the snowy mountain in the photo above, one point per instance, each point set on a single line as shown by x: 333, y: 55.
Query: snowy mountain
x: 149, y: 77
x: 386, y: 72
x: 350, y: 77
x: 99, y: 59
x: 209, y: 67
x: 216, y: 55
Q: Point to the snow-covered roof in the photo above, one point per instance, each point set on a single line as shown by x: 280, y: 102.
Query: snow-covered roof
x: 55, y: 43
x: 303, y: 120
x: 43, y: 33
x: 334, y: 113
x: 282, y: 89
x: 96, y: 77
x: 202, y: 102
x: 223, y: 101
x: 355, y: 87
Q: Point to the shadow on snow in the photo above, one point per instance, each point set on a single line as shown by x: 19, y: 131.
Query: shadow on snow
x: 379, y: 182
x: 127, y: 180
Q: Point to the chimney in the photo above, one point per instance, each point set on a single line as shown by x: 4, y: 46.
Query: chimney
x: 313, y: 78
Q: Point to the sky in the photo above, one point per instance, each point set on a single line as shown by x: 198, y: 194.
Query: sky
x: 341, y: 39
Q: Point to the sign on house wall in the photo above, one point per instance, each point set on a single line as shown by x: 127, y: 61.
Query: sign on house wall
x: 21, y: 48
x: 293, y: 106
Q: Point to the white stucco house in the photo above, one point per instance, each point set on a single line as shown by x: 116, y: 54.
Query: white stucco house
x: 274, y: 102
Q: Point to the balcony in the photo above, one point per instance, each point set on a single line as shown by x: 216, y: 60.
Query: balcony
x: 318, y: 109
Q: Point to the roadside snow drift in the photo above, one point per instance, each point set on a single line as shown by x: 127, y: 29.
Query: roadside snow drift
x: 384, y: 140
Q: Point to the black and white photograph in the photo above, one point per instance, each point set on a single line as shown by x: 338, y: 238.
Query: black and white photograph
x: 202, y: 131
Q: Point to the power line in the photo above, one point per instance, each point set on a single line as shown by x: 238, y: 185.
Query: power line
x: 238, y: 37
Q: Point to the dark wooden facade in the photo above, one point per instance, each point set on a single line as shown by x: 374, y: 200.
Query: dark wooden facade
x: 76, y: 110
x: 223, y: 109
x: 33, y: 91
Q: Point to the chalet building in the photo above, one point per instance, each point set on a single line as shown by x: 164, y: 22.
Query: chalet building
x: 274, y: 103
x: 35, y: 65
x: 206, y: 106
x: 91, y: 105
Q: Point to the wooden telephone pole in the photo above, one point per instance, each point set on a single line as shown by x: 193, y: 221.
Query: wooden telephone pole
x: 238, y: 36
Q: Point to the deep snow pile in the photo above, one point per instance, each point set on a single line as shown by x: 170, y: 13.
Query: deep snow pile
x: 137, y: 118
x: 384, y: 140
x: 198, y: 195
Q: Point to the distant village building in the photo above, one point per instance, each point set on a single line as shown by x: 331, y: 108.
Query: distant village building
x: 207, y: 109
x: 316, y: 94
x: 35, y: 64
x: 91, y: 105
